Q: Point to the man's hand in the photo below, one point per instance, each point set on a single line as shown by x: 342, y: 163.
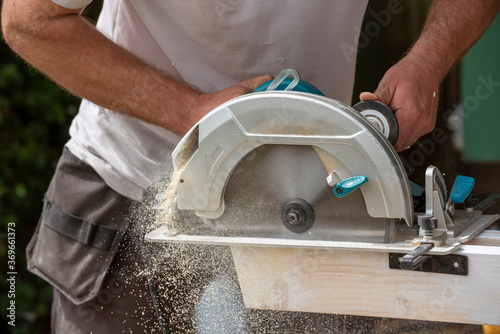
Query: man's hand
x: 206, y: 102
x: 410, y: 87
x: 412, y: 93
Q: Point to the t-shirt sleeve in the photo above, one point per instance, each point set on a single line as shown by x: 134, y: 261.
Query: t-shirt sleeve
x: 72, y: 4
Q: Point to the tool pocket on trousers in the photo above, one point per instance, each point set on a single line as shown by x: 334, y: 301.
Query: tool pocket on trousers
x: 75, y: 267
x: 73, y: 248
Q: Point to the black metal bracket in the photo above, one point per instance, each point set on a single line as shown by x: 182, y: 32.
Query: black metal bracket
x: 451, y: 264
x: 416, y: 257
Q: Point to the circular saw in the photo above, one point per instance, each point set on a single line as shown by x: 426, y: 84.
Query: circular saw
x: 287, y: 166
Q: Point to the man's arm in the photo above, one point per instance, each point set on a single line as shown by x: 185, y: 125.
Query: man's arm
x: 67, y: 48
x: 411, y: 87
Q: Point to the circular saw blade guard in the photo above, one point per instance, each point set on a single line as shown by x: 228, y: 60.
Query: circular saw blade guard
x: 346, y: 142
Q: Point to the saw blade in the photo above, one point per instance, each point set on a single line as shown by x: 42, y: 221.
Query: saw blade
x: 271, y: 176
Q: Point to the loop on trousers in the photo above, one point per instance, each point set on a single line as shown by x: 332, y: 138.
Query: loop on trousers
x: 78, y: 229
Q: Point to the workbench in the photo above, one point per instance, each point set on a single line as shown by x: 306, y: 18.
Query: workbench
x: 361, y: 283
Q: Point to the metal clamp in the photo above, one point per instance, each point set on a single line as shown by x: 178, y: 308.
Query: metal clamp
x: 415, y: 258
x: 451, y: 264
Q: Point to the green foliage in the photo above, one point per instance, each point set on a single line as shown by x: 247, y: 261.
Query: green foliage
x: 34, y: 118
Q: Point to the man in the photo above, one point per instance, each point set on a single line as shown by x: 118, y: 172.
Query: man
x: 148, y: 73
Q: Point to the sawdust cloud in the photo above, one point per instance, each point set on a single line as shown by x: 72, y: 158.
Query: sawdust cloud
x: 181, y: 273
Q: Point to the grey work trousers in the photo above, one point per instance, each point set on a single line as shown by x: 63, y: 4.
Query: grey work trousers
x: 81, y: 248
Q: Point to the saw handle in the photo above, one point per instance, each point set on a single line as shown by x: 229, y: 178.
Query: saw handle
x: 284, y: 82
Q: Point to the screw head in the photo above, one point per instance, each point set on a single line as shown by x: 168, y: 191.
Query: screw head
x: 294, y: 217
x: 297, y: 215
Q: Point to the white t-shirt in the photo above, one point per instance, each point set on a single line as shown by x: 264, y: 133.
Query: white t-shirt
x: 210, y: 44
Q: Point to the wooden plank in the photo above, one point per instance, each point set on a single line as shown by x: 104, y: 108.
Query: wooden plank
x: 361, y: 283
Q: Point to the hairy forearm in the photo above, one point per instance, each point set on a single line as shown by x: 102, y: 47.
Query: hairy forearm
x: 451, y: 28
x: 410, y: 87
x: 74, y: 54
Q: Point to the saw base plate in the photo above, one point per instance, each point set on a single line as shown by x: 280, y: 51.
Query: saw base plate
x: 480, y: 223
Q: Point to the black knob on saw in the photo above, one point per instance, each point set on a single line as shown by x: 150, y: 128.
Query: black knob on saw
x: 427, y: 222
x: 297, y: 215
x: 382, y: 117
